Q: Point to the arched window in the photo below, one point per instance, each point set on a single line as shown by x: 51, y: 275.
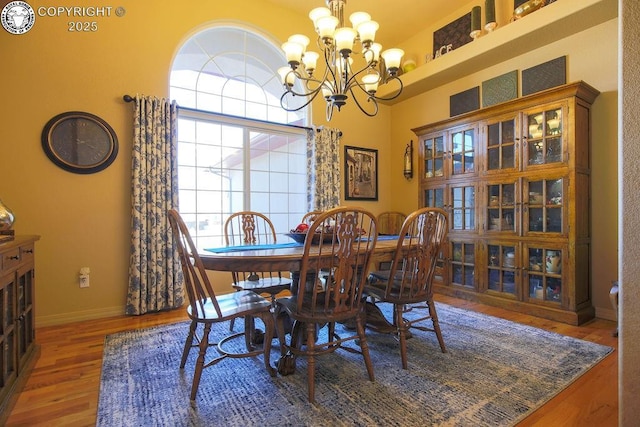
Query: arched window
x: 237, y: 148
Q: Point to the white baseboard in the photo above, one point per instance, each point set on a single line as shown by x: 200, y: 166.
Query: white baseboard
x: 78, y: 316
x: 606, y: 313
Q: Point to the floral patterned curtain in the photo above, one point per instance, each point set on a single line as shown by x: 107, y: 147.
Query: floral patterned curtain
x: 323, y: 168
x: 155, y: 277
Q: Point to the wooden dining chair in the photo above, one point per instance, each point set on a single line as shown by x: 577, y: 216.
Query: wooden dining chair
x: 309, y: 217
x: 206, y: 308
x: 254, y: 228
x: 333, y: 273
x: 389, y: 223
x: 408, y: 284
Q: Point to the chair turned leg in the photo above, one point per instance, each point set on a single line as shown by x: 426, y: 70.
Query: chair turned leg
x: 311, y: 361
x: 364, y: 346
x: 188, y: 343
x: 286, y: 364
x: 402, y: 334
x: 204, y: 345
x: 269, y: 326
x: 436, y: 324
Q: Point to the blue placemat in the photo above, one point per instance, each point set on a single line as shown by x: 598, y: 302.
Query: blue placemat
x: 385, y: 237
x: 252, y: 247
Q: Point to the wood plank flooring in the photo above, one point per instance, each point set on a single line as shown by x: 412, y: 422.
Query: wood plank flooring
x: 64, y: 385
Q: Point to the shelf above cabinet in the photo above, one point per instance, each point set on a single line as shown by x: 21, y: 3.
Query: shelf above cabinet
x: 553, y: 22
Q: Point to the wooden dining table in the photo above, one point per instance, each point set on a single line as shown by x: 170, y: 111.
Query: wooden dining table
x: 277, y: 257
x: 288, y: 257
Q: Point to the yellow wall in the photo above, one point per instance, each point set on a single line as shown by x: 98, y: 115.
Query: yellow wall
x: 83, y: 220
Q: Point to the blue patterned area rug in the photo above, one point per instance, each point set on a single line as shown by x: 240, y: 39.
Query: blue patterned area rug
x: 495, y: 373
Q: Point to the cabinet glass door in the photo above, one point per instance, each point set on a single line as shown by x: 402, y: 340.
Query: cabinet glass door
x: 433, y: 198
x: 463, y: 208
x: 501, y: 207
x: 546, y: 203
x: 501, y: 146
x: 463, y: 146
x: 501, y: 268
x: 433, y: 149
x: 545, y: 273
x: 463, y: 264
x: 544, y: 140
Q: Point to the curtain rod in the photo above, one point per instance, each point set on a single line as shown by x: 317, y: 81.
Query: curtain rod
x: 129, y: 98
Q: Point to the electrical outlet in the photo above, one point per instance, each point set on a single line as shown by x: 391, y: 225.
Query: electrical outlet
x: 83, y: 278
x: 84, y: 281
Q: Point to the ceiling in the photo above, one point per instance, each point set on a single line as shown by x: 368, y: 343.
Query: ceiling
x: 399, y: 20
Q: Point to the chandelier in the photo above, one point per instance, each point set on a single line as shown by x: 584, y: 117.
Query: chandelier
x: 342, y: 77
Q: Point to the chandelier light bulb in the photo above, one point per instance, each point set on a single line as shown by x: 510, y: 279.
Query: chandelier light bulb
x: 372, y: 54
x: 326, y: 26
x: 326, y: 91
x: 392, y: 58
x: 293, y: 51
x: 357, y: 18
x: 310, y: 60
x: 370, y: 82
x: 344, y: 38
x: 287, y: 77
x: 367, y: 31
x: 318, y: 13
x: 302, y: 40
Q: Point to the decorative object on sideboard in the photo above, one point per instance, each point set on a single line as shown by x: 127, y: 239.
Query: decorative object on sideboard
x: 79, y: 142
x: 7, y: 219
x: 342, y: 77
x: 408, y: 160
x: 490, y: 15
x: 475, y: 22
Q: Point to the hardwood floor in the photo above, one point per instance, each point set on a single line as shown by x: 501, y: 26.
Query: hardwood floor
x: 64, y: 385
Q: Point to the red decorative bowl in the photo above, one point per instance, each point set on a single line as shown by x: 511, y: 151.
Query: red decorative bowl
x: 300, y: 237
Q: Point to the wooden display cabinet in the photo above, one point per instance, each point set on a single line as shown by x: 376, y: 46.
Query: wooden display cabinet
x: 514, y: 179
x: 18, y: 349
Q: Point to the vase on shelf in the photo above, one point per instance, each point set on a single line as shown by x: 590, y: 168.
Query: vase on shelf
x: 6, y: 217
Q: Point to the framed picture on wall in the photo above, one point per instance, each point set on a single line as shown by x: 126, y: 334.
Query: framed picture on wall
x: 361, y: 173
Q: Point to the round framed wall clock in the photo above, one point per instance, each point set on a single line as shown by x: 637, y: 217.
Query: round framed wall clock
x: 79, y: 142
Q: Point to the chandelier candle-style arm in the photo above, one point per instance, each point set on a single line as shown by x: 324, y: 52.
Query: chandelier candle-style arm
x: 342, y: 75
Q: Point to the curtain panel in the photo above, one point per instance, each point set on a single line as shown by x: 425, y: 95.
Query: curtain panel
x: 155, y: 275
x: 323, y: 168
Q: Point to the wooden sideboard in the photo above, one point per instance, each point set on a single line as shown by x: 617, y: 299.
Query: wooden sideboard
x: 18, y: 350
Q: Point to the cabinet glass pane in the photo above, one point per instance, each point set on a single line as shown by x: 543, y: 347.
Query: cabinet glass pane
x: 501, y: 268
x: 463, y: 208
x: 501, y: 207
x: 545, y: 137
x: 545, y: 274
x: 2, y: 310
x: 462, y: 264
x: 9, y: 313
x: 434, y: 198
x: 462, y: 149
x: 433, y: 156
x: 9, y: 366
x: 546, y: 205
x: 500, y: 145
